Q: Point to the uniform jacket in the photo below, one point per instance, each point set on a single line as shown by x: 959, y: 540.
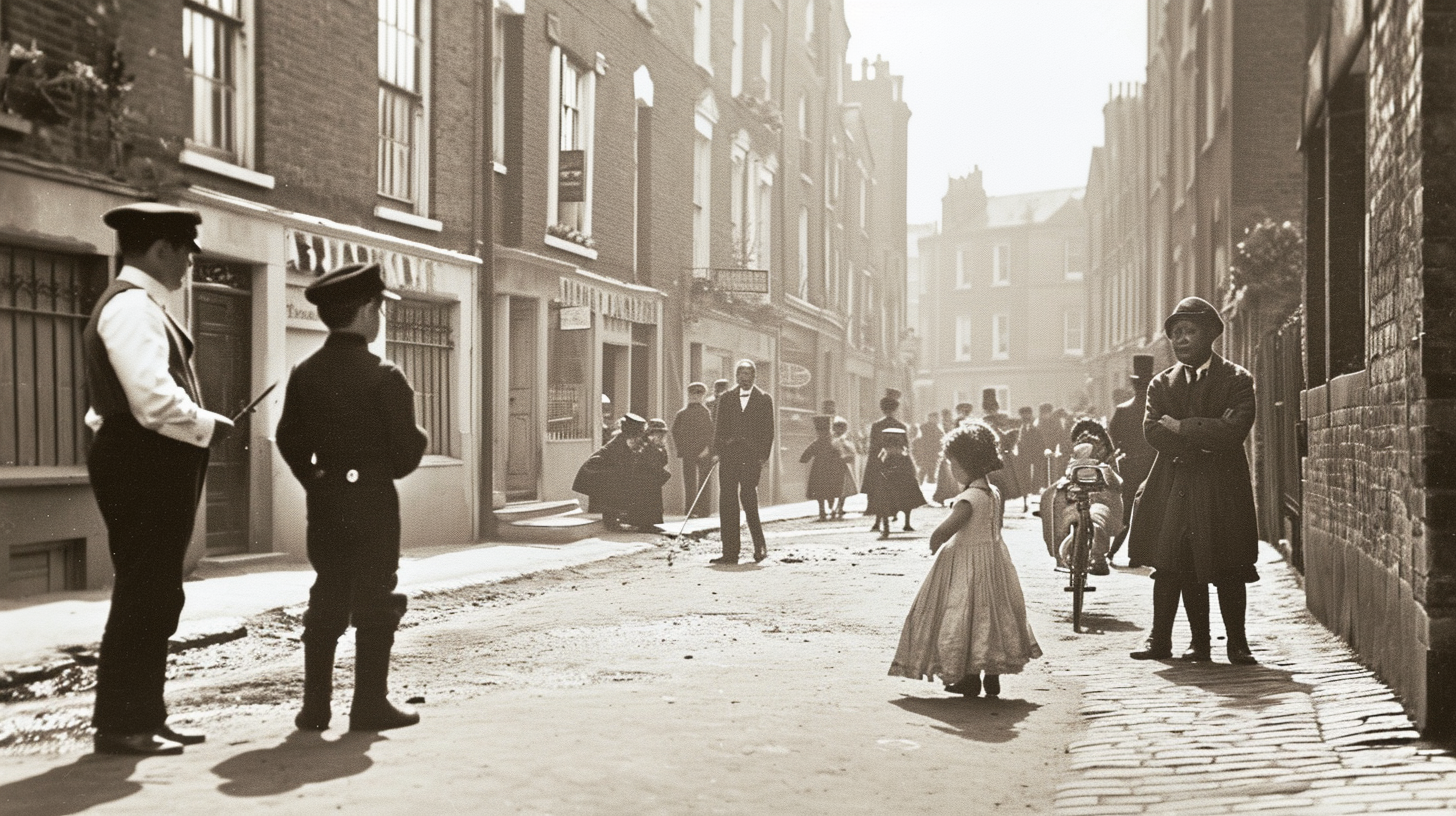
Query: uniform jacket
x: 692, y: 430
x: 1200, y: 479
x: 744, y: 436
x: 1126, y: 429
x: 348, y: 410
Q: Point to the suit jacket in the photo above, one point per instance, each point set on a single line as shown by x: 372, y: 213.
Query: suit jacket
x: 744, y: 436
x: 1200, y: 483
x: 692, y: 430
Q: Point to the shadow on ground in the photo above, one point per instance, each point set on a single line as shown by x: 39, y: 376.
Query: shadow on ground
x: 90, y: 781
x: 303, y: 758
x: 1251, y: 687
x: 974, y: 718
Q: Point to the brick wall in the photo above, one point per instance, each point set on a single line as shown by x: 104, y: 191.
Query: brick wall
x: 1380, y: 534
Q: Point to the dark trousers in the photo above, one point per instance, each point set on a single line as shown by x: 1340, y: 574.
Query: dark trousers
x: 693, y: 479
x: 353, y: 545
x: 147, y: 488
x: 739, y: 482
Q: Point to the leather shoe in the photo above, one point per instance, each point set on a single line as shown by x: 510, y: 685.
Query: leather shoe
x: 135, y: 745
x: 723, y: 559
x: 1152, y: 652
x: 180, y: 737
x: 970, y: 685
x: 759, y: 555
x: 1197, y: 654
x: 1241, y: 656
x: 993, y: 685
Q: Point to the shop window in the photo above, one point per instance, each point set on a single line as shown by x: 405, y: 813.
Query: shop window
x: 50, y: 566
x: 45, y: 300
x: 570, y: 403
x: 420, y: 339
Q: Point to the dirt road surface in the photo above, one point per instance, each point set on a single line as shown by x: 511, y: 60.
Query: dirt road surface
x: 627, y: 686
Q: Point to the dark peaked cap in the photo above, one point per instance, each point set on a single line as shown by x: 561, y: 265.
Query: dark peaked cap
x: 157, y: 221
x: 355, y: 283
x: 1197, y: 309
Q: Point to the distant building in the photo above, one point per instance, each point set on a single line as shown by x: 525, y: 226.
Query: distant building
x: 1006, y: 297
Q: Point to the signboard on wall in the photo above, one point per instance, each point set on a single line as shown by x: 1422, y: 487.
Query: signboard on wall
x: 793, y: 375
x: 300, y: 313
x: 748, y: 281
x: 575, y: 317
x: 571, y: 176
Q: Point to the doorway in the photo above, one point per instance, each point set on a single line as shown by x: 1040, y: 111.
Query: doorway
x: 222, y: 306
x: 523, y: 443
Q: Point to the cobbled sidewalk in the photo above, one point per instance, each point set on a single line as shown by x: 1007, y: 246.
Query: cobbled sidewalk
x: 1308, y: 731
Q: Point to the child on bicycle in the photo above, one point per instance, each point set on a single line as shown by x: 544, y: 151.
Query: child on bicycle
x: 1091, y: 447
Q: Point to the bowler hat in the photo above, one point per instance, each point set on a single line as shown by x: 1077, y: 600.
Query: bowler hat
x: 1196, y: 309
x: 154, y: 221
x: 354, y: 283
x: 1142, y: 368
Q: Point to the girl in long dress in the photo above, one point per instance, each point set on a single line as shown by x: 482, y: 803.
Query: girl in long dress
x: 969, y: 617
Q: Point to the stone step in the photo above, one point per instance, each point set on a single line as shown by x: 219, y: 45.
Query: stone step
x: 520, y: 511
x: 559, y: 529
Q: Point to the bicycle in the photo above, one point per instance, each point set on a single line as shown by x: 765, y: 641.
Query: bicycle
x: 1083, y: 482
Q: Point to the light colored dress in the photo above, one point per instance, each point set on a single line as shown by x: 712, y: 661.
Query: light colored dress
x: 969, y: 615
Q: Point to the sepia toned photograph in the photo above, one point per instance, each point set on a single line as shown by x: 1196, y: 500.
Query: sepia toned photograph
x: 727, y: 407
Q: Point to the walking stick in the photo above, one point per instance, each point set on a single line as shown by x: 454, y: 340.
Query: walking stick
x: 704, y: 486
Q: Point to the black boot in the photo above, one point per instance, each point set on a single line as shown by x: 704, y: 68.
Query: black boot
x: 318, y: 683
x: 1165, y: 608
x: 1232, y: 599
x: 371, y: 710
x: 1195, y: 606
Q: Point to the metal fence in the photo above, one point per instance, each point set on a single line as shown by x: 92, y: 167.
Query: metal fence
x: 420, y: 339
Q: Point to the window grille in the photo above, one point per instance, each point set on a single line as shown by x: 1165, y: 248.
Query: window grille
x: 569, y: 401
x: 211, y: 30
x: 45, y: 300
x: 420, y: 339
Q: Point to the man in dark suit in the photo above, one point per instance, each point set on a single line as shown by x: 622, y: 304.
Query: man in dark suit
x: 1195, y: 522
x: 147, y: 466
x: 347, y: 432
x: 1134, y: 455
x: 743, y: 441
x: 692, y: 435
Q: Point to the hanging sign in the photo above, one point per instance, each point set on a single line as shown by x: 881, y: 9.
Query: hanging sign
x: 571, y: 176
x: 749, y: 281
x: 575, y: 317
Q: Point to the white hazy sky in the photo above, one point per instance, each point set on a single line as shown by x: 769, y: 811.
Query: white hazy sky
x: 1015, y: 86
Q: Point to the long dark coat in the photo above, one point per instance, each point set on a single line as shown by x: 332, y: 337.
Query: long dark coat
x: 1199, y: 484
x: 826, y: 470
x: 877, y: 444
x: 643, y: 496
x: 605, y: 477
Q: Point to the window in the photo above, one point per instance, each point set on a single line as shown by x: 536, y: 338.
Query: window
x: 735, y: 67
x: 49, y: 566
x: 864, y: 199
x: 570, y: 404
x: 703, y: 33
x: 1000, y: 337
x: 1072, y: 339
x: 569, y: 194
x: 215, y: 48
x: 702, y: 178
x: 1072, y: 260
x: 804, y: 253
x: 963, y: 339
x: 738, y: 202
x: 498, y: 91
x: 809, y: 22
x: 962, y: 271
x: 765, y: 62
x: 420, y: 339
x: 403, y: 112
x: 45, y: 300
x: 1001, y: 265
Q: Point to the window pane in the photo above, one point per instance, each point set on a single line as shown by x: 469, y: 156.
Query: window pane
x: 209, y: 45
x: 420, y: 340
x: 397, y: 115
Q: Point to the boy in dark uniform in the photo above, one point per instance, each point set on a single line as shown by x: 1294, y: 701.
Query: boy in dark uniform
x: 347, y: 432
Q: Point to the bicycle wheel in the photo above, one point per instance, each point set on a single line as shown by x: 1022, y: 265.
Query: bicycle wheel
x: 1081, y: 545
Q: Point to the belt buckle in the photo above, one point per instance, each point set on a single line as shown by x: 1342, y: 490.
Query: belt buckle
x: 352, y: 476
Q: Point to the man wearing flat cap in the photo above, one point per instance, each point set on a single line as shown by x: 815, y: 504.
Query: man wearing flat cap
x: 1195, y: 522
x: 147, y: 465
x: 692, y: 435
x: 1134, y: 454
x: 347, y: 432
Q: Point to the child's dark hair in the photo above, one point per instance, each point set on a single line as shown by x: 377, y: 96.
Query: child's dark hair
x: 974, y: 447
x: 1093, y: 431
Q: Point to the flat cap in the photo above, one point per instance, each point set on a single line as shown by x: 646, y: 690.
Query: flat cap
x: 697, y: 388
x: 631, y: 424
x: 1197, y: 309
x: 656, y: 425
x: 355, y: 283
x: 151, y: 218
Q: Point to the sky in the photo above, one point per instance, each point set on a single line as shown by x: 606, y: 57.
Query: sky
x: 1014, y: 86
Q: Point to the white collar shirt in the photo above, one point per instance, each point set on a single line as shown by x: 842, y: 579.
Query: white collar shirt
x: 743, y: 396
x: 137, y: 330
x: 1193, y: 374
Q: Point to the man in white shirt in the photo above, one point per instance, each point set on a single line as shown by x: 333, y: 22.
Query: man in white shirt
x: 147, y: 465
x: 743, y: 441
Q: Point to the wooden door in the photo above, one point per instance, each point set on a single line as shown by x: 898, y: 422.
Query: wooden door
x: 223, y: 332
x: 523, y: 440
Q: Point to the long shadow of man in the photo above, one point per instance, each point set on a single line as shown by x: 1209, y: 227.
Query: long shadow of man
x: 303, y: 758
x: 88, y: 782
